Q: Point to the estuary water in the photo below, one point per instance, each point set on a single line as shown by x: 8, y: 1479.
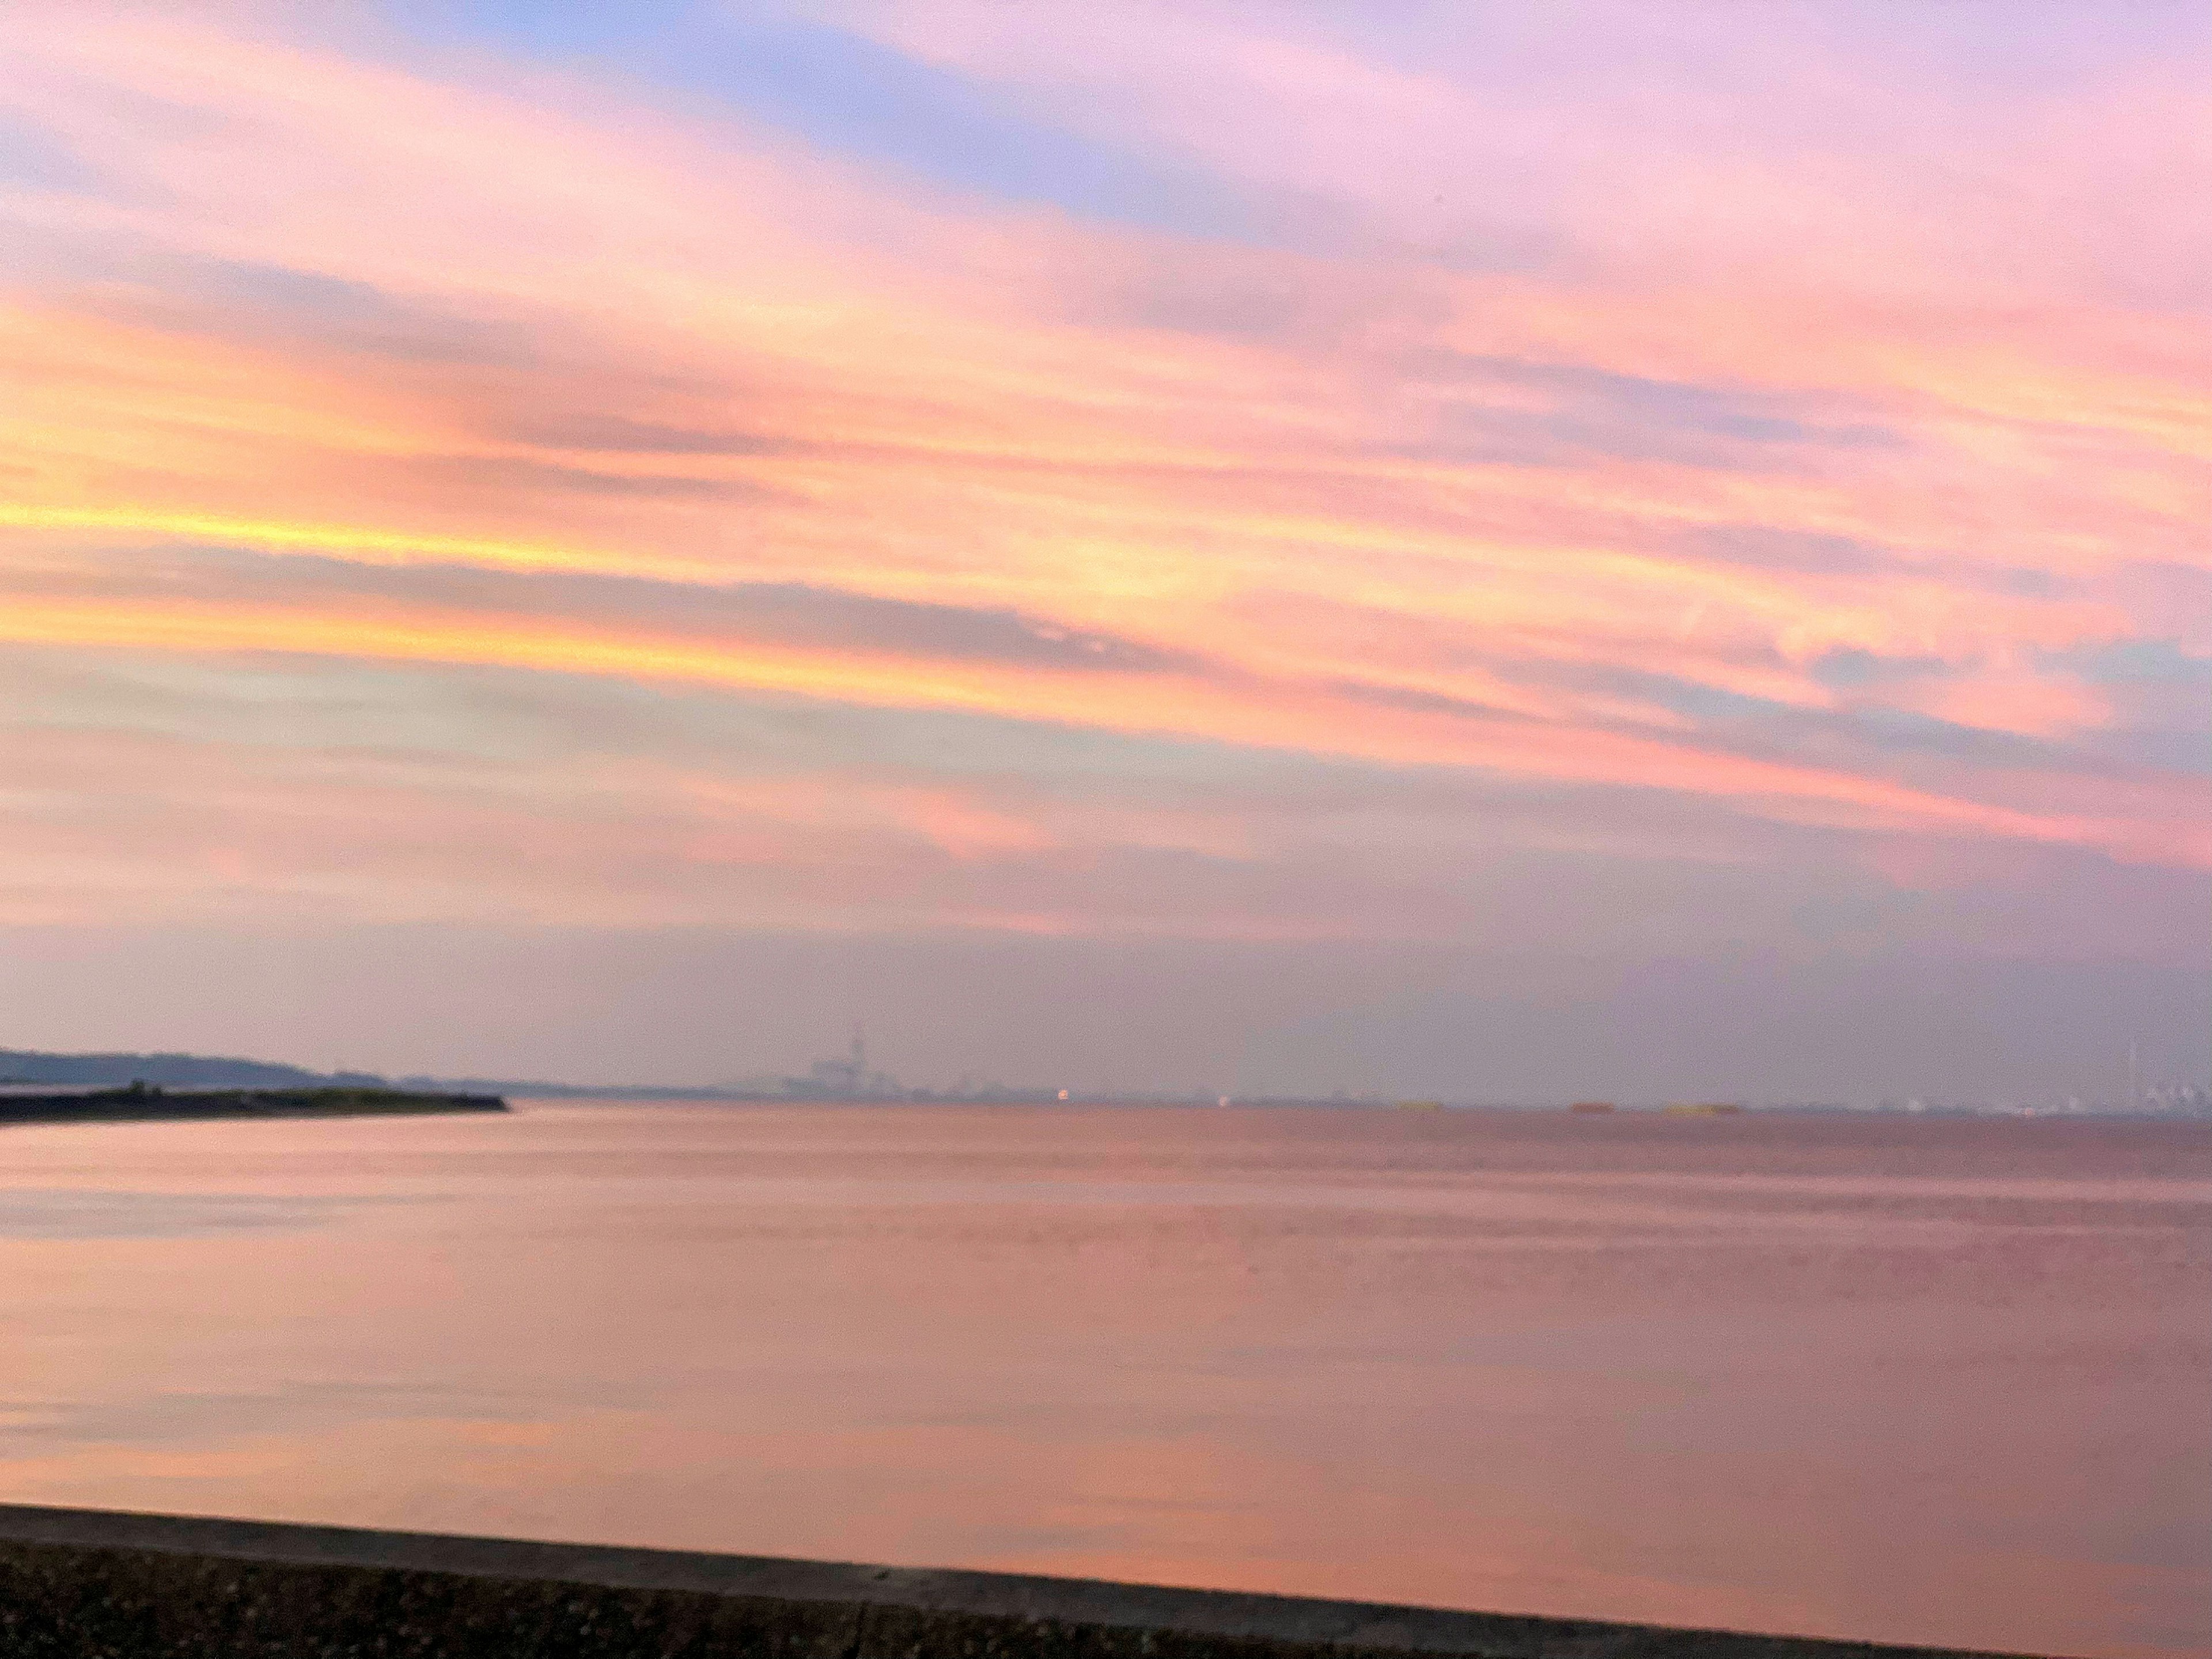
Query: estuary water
x: 1942, y: 1381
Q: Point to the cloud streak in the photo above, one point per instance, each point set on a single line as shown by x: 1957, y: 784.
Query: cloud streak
x: 1676, y: 458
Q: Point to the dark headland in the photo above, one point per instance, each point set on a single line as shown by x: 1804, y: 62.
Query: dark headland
x: 142, y: 1101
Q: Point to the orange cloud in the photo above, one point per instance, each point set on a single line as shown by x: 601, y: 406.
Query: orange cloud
x: 1532, y: 524
x: 1306, y: 718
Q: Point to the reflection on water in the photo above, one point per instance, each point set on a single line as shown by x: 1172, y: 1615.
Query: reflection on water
x: 1931, y: 1381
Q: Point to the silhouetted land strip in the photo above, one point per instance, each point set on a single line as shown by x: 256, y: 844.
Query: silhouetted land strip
x: 77, y: 1584
x: 140, y: 1103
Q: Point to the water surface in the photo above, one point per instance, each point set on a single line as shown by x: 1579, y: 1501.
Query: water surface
x: 1937, y: 1380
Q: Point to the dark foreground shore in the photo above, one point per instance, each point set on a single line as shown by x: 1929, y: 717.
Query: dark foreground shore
x: 77, y: 1584
x: 139, y: 1103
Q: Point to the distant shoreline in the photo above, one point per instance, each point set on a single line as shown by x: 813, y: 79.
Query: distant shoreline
x: 1705, y: 1116
x: 140, y: 1103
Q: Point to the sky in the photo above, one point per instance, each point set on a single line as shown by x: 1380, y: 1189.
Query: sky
x: 1510, y: 551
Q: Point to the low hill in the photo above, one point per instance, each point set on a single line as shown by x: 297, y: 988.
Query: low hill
x: 168, y: 1072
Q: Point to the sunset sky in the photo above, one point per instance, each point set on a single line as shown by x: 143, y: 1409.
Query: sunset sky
x: 1510, y: 551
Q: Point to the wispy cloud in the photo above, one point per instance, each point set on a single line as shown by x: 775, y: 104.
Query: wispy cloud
x: 1741, y: 456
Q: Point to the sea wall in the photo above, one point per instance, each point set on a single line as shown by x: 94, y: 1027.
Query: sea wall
x: 99, y: 1584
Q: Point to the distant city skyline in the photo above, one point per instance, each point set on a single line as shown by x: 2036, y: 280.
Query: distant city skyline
x: 1512, y: 551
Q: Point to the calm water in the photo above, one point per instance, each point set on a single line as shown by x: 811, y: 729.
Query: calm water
x: 1934, y: 1381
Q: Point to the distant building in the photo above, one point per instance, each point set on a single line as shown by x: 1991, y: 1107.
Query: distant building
x: 846, y: 1078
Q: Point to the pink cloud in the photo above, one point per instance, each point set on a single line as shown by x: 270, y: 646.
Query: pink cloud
x: 1375, y: 505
